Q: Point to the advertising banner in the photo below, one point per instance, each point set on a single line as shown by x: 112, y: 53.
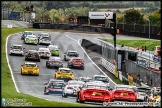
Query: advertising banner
x: 130, y: 80
x: 101, y: 15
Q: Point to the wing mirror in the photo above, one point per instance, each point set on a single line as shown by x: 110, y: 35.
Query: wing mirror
x: 23, y: 48
x: 22, y: 65
x: 37, y: 66
x: 45, y: 83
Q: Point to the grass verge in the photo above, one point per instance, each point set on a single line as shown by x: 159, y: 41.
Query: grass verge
x: 135, y: 43
x: 8, y: 88
x: 117, y: 81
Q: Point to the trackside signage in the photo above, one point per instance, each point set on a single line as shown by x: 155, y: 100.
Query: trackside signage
x: 101, y: 15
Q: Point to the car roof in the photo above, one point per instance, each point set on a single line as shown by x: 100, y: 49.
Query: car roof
x: 65, y: 68
x: 52, y: 46
x: 16, y: 45
x: 100, y: 75
x: 76, y: 81
x: 71, y: 51
x: 30, y: 63
x: 32, y: 35
x: 128, y: 86
x: 55, y: 57
x: 33, y: 50
x: 76, y: 58
x: 95, y: 83
x: 56, y: 80
x: 43, y: 48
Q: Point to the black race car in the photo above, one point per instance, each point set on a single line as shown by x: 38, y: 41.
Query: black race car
x: 54, y: 62
x: 69, y: 54
x: 32, y: 55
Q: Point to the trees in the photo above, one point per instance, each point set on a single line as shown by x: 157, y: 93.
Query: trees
x: 155, y: 17
x: 133, y: 16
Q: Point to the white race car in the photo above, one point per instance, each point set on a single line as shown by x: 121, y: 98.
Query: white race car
x: 44, y: 38
x: 102, y: 78
x: 72, y: 87
x: 32, y: 39
x: 44, y: 52
x: 17, y: 49
x: 143, y: 94
x: 85, y: 79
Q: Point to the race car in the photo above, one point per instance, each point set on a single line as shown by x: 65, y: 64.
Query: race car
x: 32, y: 55
x: 84, y: 79
x: 143, y: 94
x: 54, y: 86
x: 31, y: 39
x: 30, y: 68
x: 76, y: 62
x: 69, y: 54
x: 154, y: 90
x: 17, y: 49
x: 64, y: 73
x: 71, y: 88
x: 43, y: 34
x: 54, y: 62
x: 93, y: 92
x: 54, y: 50
x: 124, y: 93
x: 44, y: 38
x: 156, y: 99
x: 103, y: 78
x: 44, y: 52
x: 25, y: 33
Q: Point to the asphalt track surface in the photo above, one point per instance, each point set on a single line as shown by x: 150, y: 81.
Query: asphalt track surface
x: 34, y: 85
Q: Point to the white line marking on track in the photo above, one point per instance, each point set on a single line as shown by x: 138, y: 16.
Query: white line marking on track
x: 9, y: 64
x: 71, y: 38
x: 90, y: 58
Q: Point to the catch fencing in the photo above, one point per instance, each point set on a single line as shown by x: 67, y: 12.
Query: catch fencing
x: 143, y: 74
x: 125, y: 29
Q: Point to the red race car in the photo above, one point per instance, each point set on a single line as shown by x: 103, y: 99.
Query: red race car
x: 124, y: 93
x: 93, y: 92
x: 76, y: 62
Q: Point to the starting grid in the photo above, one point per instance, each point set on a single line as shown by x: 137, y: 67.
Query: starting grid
x: 134, y: 104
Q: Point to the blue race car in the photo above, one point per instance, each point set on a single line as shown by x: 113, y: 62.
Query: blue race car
x: 54, y: 87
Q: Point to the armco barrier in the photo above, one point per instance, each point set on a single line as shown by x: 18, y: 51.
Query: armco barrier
x: 109, y: 66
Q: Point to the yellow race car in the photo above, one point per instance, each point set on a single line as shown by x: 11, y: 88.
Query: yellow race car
x: 30, y: 68
x: 64, y: 73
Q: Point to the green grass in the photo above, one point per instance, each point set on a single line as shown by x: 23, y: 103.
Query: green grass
x: 135, y: 43
x: 117, y: 81
x: 8, y: 88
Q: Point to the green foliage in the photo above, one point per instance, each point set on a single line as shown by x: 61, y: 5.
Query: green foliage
x: 155, y: 17
x: 133, y: 16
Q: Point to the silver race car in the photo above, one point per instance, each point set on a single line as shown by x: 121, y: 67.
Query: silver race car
x: 143, y: 94
x: 44, y: 38
x: 44, y: 52
x: 84, y: 79
x: 69, y: 54
x: 17, y: 49
x: 54, y: 62
x: 102, y: 78
x: 71, y: 88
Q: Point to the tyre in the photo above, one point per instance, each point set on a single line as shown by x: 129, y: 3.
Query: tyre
x: 83, y: 68
x: 38, y: 74
x: 55, y: 76
x: 77, y: 98
x: 21, y: 72
x: 38, y: 60
x: 80, y: 100
x: 65, y: 59
x: 26, y: 59
x: 64, y: 95
x: 45, y: 91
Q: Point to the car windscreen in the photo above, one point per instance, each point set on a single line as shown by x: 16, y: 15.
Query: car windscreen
x: 77, y: 60
x: 72, y: 54
x: 43, y: 50
x: 33, y: 52
x: 28, y: 33
x: 64, y: 70
x: 17, y: 47
x: 46, y: 38
x: 143, y: 90
x: 53, y: 59
x: 30, y: 65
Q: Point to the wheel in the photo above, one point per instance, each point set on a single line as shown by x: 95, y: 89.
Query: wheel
x: 77, y: 98
x: 45, y: 91
x: 64, y: 95
x: 38, y: 74
x: 65, y: 59
x: 83, y: 68
x: 80, y: 100
x: 26, y: 59
x: 21, y: 72
x: 55, y: 76
x: 38, y: 60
